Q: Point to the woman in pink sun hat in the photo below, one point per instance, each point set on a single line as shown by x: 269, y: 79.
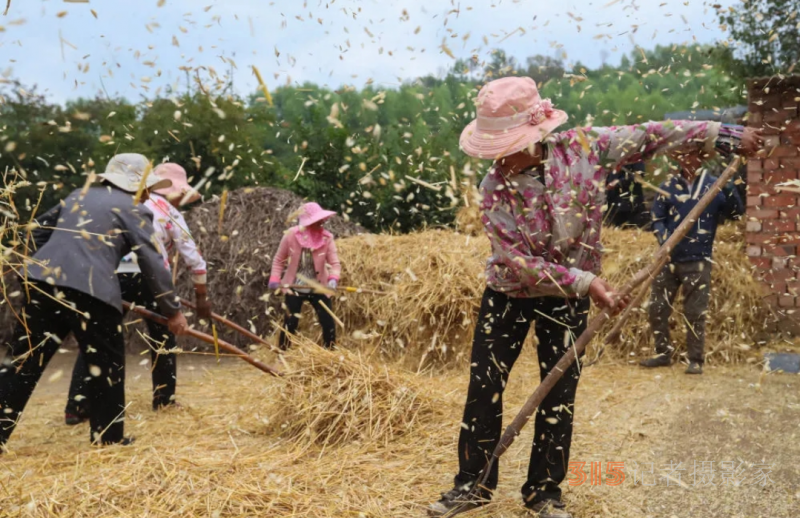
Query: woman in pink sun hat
x: 542, y: 208
x: 309, y: 250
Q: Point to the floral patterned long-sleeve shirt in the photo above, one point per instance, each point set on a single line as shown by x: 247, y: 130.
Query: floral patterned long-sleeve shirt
x: 544, y: 227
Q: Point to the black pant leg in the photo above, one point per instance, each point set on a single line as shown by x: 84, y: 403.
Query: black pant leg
x: 164, y: 370
x: 293, y: 306
x: 46, y: 328
x: 553, y: 423
x: 500, y: 331
x: 165, y: 364
x: 326, y: 321
x: 103, y: 348
x: 662, y: 297
x: 77, y: 401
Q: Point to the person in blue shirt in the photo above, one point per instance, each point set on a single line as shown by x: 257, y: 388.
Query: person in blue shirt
x: 690, y: 266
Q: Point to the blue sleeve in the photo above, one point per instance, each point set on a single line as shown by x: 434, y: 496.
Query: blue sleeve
x: 733, y: 205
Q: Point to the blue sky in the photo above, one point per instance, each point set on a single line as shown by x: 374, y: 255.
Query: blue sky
x: 136, y: 47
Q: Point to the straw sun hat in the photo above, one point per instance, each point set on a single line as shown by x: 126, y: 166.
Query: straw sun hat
x: 511, y: 115
x: 126, y: 170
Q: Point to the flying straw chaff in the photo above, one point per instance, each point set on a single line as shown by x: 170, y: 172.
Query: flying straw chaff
x: 223, y: 201
x: 138, y: 197
x: 650, y: 186
x: 205, y: 338
x: 263, y: 85
x: 535, y: 399
x: 232, y: 325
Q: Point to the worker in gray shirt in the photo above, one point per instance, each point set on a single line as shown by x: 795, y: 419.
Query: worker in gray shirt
x: 72, y: 287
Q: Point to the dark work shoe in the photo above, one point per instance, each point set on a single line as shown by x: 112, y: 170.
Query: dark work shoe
x: 458, y: 500
x: 694, y: 368
x: 72, y: 419
x: 163, y: 406
x: 659, y: 360
x: 549, y: 509
x: 126, y: 441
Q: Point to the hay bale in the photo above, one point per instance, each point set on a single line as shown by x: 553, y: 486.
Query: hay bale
x: 337, y: 397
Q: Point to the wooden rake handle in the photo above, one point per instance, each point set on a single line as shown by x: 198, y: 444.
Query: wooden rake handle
x: 224, y: 321
x: 205, y: 338
x: 659, y: 260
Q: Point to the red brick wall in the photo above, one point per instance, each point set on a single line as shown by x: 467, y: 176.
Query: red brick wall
x: 773, y: 216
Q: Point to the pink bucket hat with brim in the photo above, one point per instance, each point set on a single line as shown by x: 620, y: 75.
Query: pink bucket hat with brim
x: 511, y: 115
x: 180, y: 188
x: 311, y: 213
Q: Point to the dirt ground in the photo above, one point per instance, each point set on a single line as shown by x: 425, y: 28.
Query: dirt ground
x: 721, y: 444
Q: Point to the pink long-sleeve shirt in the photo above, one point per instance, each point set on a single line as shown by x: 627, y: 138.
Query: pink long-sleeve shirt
x: 287, y: 259
x: 545, y: 229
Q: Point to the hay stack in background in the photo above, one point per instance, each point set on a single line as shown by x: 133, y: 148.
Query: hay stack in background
x: 240, y: 256
x: 336, y: 397
x: 436, y: 278
x: 433, y: 280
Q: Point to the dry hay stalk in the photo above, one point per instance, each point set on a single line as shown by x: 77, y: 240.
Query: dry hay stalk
x: 336, y: 397
x: 434, y: 279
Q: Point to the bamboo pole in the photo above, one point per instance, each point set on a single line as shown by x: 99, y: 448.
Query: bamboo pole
x: 535, y: 399
x: 224, y: 321
x: 205, y: 338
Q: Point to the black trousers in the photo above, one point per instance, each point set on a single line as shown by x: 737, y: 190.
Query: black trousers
x: 503, y: 323
x: 98, y: 330
x: 164, y: 369
x: 294, y: 305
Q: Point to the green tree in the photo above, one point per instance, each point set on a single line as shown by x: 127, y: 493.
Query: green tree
x: 765, y: 36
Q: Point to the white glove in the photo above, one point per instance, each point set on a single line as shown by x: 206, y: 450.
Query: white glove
x: 332, y: 284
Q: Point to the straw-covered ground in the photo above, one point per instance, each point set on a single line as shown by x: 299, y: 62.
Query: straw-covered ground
x: 347, y: 435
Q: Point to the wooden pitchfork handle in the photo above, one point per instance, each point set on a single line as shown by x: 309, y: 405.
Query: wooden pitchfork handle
x: 660, y: 258
x: 224, y: 321
x: 349, y: 289
x: 205, y: 338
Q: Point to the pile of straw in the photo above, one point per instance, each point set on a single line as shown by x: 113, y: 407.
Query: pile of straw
x: 433, y: 281
x: 468, y: 217
x: 337, y: 397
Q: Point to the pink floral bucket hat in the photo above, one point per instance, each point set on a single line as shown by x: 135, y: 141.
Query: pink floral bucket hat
x: 511, y: 115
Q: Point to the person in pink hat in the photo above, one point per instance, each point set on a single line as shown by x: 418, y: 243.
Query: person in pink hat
x: 542, y: 208
x: 310, y: 251
x: 172, y: 233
